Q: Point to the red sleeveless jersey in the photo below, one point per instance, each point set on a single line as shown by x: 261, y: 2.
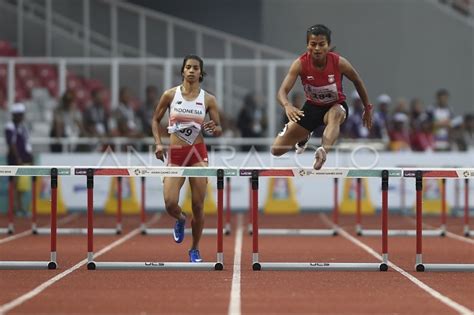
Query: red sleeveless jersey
x: 322, y: 87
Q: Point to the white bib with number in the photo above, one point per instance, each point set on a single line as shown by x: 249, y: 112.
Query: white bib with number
x: 186, y: 117
x: 322, y: 94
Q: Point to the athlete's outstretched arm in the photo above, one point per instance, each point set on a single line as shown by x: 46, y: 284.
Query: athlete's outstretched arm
x: 292, y: 112
x: 348, y: 70
x: 213, y: 126
x: 160, y: 111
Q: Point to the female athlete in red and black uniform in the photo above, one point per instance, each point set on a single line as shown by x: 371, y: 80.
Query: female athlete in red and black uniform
x: 187, y: 105
x: 321, y: 72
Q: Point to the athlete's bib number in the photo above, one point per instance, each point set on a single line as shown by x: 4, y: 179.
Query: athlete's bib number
x: 188, y: 134
x: 322, y: 94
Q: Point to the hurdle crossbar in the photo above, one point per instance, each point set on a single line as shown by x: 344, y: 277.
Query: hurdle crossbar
x: 170, y: 172
x: 77, y: 231
x: 383, y: 174
x: 433, y: 173
x: 298, y: 232
x: 54, y: 172
x: 408, y: 233
x: 321, y: 266
x: 153, y: 266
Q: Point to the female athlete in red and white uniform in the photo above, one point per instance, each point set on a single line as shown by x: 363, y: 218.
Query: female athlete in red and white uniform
x: 321, y: 72
x: 187, y: 105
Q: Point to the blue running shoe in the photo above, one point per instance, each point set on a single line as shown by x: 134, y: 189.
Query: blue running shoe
x: 178, y: 231
x: 194, y: 256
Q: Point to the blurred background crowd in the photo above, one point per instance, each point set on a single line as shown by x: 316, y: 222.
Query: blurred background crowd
x: 79, y: 111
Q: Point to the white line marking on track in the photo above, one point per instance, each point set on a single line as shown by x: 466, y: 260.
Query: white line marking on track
x: 64, y: 220
x: 451, y: 235
x: 27, y: 296
x: 460, y: 238
x: 234, y: 305
x: 440, y: 297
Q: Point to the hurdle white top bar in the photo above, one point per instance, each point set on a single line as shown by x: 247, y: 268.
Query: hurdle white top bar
x: 144, y: 171
x: 152, y: 171
x: 440, y: 172
x: 33, y: 170
x: 339, y: 172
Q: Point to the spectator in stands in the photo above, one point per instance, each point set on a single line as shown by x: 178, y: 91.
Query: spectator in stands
x: 401, y: 106
x: 96, y: 118
x: 126, y: 124
x: 442, y: 116
x: 421, y: 134
x: 399, y: 136
x: 67, y: 121
x: 3, y: 99
x: 457, y: 135
x: 353, y: 126
x: 384, y: 103
x: 380, y: 118
x: 145, y: 112
x: 229, y: 127
x: 469, y: 130
x: 416, y: 114
x: 252, y: 119
x: 19, y: 152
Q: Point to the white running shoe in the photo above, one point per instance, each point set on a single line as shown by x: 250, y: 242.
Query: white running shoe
x: 319, y: 158
x: 301, y: 146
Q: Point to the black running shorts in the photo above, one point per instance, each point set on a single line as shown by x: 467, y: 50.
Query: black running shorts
x: 314, y: 115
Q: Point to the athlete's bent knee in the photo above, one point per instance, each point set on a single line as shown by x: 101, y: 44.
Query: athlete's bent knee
x: 339, y: 115
x: 277, y: 151
x: 171, y: 206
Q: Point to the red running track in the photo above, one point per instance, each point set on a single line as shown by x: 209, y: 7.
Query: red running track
x: 266, y: 292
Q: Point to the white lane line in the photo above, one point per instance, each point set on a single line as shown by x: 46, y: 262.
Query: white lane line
x: 451, y: 235
x: 460, y: 238
x: 234, y: 305
x: 64, y: 220
x: 29, y: 295
x: 440, y: 297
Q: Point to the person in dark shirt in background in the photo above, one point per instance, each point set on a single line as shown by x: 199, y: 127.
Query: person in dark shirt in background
x: 147, y: 109
x: 19, y: 152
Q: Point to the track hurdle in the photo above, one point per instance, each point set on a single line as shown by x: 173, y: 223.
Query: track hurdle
x: 10, y: 229
x: 329, y: 172
x: 155, y: 172
x: 306, y: 232
x: 54, y: 172
x: 80, y: 231
x: 441, y: 231
x: 164, y: 231
x: 419, y: 174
